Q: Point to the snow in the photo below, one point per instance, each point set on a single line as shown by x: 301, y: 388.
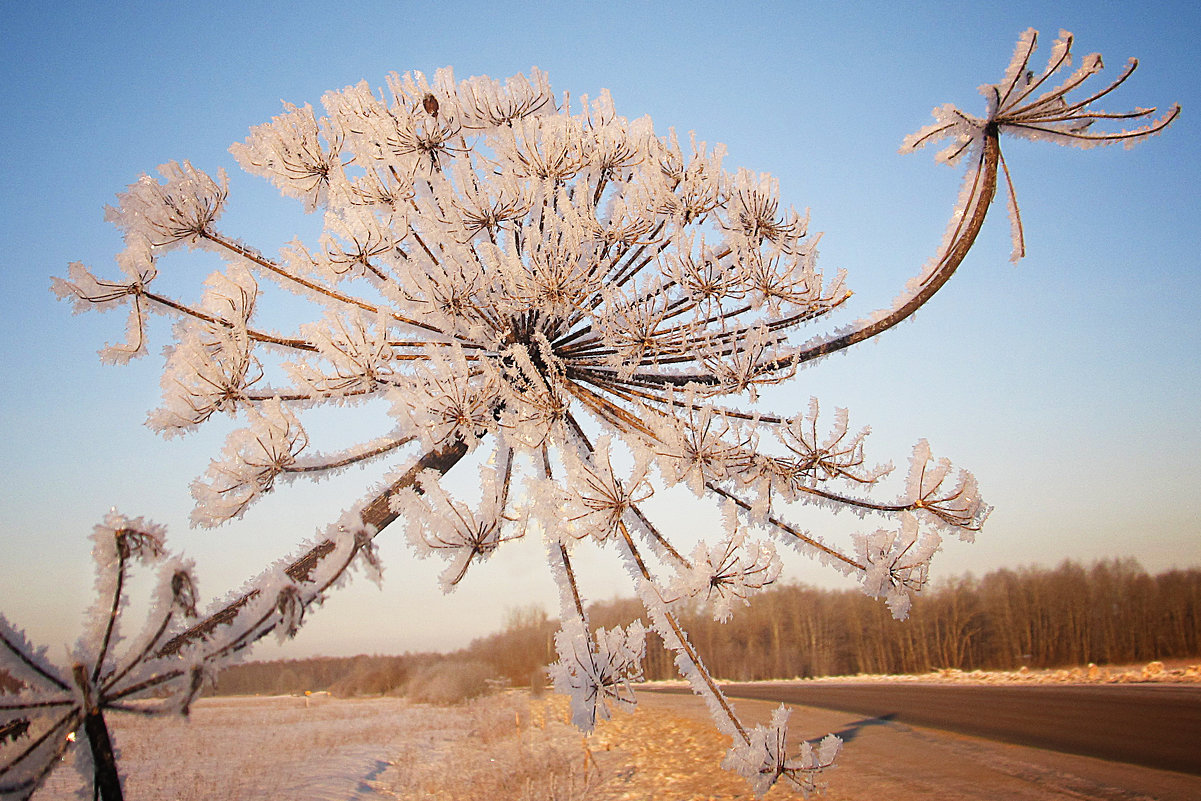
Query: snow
x: 321, y: 748
x: 512, y: 747
x: 1156, y: 672
x: 318, y: 748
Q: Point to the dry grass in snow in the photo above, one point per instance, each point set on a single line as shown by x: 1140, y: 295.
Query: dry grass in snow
x: 510, y: 747
x: 324, y: 748
x: 256, y: 748
x: 505, y: 747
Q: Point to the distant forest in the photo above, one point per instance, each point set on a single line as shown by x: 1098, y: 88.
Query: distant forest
x: 1111, y: 612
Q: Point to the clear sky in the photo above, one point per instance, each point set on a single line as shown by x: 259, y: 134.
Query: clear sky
x: 1069, y: 384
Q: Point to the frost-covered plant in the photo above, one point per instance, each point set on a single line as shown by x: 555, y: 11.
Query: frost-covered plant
x: 56, y: 702
x: 594, y: 306
x: 764, y: 759
x: 597, y: 673
x: 158, y: 670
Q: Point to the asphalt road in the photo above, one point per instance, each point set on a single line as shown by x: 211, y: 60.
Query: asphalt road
x: 1158, y: 726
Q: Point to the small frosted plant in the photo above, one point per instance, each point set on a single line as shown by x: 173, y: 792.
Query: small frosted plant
x: 159, y: 670
x: 592, y: 307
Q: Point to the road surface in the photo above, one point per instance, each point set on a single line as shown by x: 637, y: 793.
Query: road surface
x: 1155, y: 725
x: 886, y: 760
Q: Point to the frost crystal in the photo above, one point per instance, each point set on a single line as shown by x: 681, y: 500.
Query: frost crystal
x: 599, y: 672
x: 577, y: 299
x: 897, y: 563
x: 730, y: 571
x: 1025, y: 105
x: 109, y: 670
x: 763, y: 758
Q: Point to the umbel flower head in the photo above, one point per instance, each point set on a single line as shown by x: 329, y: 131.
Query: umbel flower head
x: 595, y: 304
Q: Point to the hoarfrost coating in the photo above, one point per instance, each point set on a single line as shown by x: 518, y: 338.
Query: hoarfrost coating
x: 159, y: 670
x: 593, y: 305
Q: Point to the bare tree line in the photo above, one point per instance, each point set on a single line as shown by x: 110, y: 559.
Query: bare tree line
x: 522, y: 649
x: 1111, y: 612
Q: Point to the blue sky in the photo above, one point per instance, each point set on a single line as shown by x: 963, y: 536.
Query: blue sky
x: 1068, y: 384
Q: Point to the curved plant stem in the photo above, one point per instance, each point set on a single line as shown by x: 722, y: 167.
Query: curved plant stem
x: 377, y: 514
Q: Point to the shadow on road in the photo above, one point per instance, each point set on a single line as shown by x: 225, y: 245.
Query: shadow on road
x: 854, y: 727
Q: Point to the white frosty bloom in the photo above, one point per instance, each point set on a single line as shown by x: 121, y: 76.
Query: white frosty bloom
x: 447, y: 400
x: 358, y: 353
x: 181, y: 208
x: 701, y: 446
x: 87, y: 291
x: 210, y: 371
x: 601, y: 500
x: 1028, y: 105
x: 254, y: 458
x: 958, y: 507
x: 729, y: 571
x: 763, y: 759
x: 488, y: 103
x: 837, y: 455
x: 295, y: 152
x: 598, y: 672
x: 109, y: 667
x: 438, y: 524
x: 897, y: 563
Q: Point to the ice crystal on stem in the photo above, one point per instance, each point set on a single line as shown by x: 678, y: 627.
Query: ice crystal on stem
x: 897, y: 563
x: 105, y: 674
x: 525, y: 277
x: 439, y: 524
x: 729, y: 571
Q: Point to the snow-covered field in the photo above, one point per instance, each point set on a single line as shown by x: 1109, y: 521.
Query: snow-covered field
x: 245, y: 748
x: 511, y: 747
x: 323, y: 748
